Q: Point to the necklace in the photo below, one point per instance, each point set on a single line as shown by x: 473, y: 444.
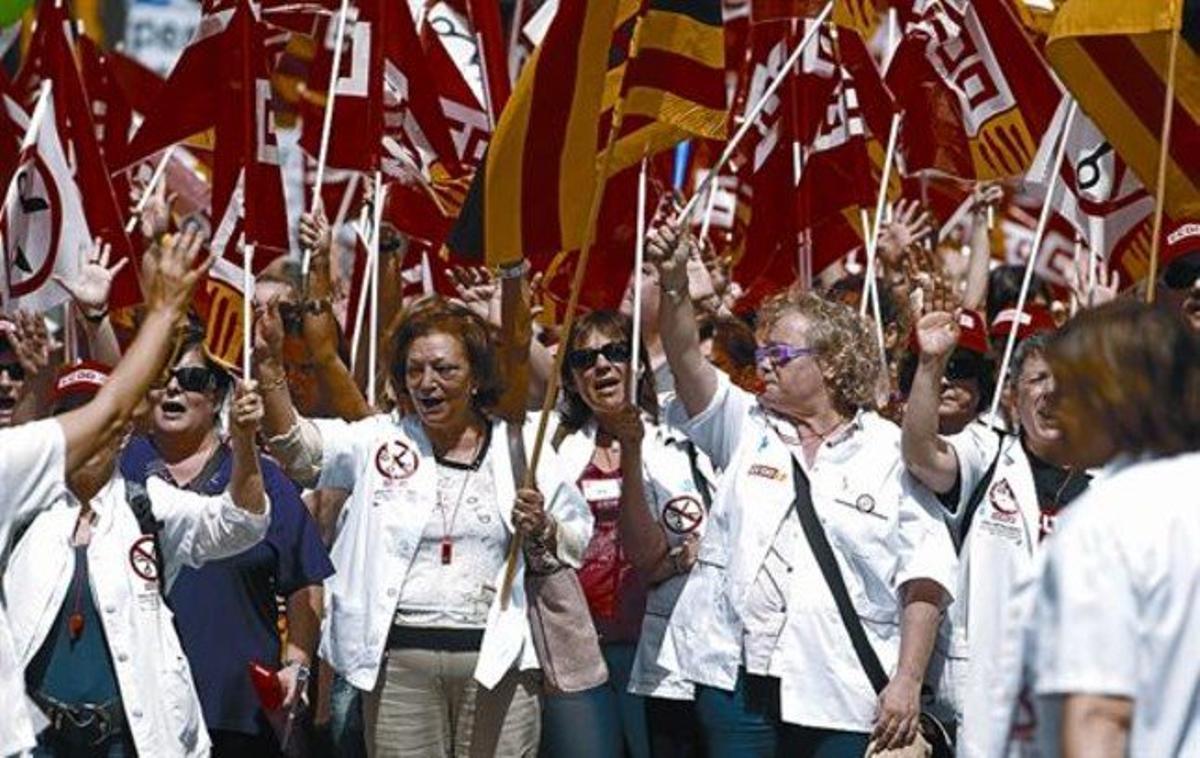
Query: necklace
x: 447, y: 545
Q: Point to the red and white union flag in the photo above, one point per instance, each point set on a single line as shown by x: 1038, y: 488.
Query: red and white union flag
x: 43, y: 230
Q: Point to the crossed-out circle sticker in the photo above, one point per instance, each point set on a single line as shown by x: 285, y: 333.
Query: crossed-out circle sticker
x: 396, y: 460
x: 141, y: 559
x: 683, y: 514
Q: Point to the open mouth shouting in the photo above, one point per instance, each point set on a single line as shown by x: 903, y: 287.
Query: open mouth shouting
x: 171, y: 409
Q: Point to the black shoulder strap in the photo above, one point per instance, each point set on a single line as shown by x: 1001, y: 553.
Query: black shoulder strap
x: 818, y: 542
x: 977, y: 497
x: 148, y: 524
x: 697, y: 477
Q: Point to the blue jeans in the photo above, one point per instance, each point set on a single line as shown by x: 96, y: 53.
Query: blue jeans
x: 745, y: 723
x: 603, y: 722
x: 118, y: 746
x: 346, y: 726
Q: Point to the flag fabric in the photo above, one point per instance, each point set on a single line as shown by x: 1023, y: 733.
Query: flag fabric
x: 43, y: 228
x: 1112, y: 56
x: 977, y: 96
x: 14, y: 122
x: 673, y: 87
x: 860, y: 15
x: 532, y: 193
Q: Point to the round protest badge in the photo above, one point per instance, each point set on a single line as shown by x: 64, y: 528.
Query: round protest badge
x: 141, y: 559
x: 682, y: 515
x: 395, y: 460
x: 865, y: 504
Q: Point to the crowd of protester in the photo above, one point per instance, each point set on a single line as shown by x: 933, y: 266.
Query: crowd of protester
x: 794, y: 530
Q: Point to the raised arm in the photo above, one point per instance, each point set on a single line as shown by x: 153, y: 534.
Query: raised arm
x: 975, y: 296
x: 293, y: 440
x: 669, y: 249
x: 641, y: 537
x: 926, y: 454
x: 169, y: 276
x: 246, y: 479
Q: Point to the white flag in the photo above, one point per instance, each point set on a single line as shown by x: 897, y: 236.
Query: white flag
x: 43, y: 230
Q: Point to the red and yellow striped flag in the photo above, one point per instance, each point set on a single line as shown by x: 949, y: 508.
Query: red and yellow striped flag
x: 673, y: 87
x: 533, y: 190
x: 1112, y: 55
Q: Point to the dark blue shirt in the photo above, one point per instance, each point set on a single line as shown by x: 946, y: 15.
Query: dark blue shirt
x: 226, y: 611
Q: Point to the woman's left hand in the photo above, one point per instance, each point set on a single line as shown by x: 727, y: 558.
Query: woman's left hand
x: 247, y: 410
x: 899, y: 716
x: 529, y: 514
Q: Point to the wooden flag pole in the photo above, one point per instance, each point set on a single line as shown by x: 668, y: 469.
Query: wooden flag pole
x: 326, y: 126
x: 756, y: 111
x: 1031, y: 264
x: 552, y: 383
x: 1160, y: 192
x: 872, y: 231
x: 159, y: 171
x: 639, y: 257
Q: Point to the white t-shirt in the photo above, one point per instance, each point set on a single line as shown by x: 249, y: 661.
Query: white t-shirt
x: 32, y: 477
x: 1118, y: 611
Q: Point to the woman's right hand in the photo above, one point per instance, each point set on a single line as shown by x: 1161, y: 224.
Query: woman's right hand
x: 668, y: 250
x: 268, y: 331
x: 628, y: 428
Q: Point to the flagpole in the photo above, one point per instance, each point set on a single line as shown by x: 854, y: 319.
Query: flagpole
x: 639, y: 257
x: 159, y: 171
x: 326, y: 125
x: 247, y: 308
x: 752, y: 116
x: 1160, y: 193
x: 1031, y: 264
x: 872, y: 232
x: 360, y: 310
x: 514, y: 38
x: 870, y: 287
x: 552, y: 383
x: 373, y: 333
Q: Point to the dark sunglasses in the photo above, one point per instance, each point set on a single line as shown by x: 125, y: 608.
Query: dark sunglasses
x: 583, y: 359
x: 193, y: 378
x: 15, y: 371
x: 1182, y: 273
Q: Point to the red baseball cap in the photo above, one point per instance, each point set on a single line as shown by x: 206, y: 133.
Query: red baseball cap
x: 1035, y: 319
x: 973, y: 332
x: 79, y: 383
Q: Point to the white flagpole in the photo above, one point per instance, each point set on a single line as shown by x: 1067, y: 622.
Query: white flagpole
x: 360, y: 312
x: 639, y: 255
x: 159, y: 171
x: 706, y: 221
x: 872, y: 232
x: 871, y: 288
x: 247, y: 309
x: 753, y: 114
x: 327, y: 123
x: 1031, y: 264
x: 373, y: 336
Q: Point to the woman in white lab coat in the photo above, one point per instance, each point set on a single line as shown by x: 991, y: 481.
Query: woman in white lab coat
x: 85, y: 587
x: 644, y: 485
x: 413, y: 614
x: 756, y: 625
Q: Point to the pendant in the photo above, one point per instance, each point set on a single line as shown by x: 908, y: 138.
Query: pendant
x: 75, y: 625
x: 447, y: 551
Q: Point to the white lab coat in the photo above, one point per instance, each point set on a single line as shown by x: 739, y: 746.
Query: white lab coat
x: 997, y: 555
x: 159, y: 699
x: 885, y: 530
x: 387, y: 464
x: 32, y: 477
x: 667, y: 470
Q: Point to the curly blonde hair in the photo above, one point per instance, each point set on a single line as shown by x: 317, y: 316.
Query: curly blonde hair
x: 845, y: 350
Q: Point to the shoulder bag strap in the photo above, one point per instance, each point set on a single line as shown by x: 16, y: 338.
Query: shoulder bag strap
x: 148, y: 524
x: 516, y: 452
x: 818, y: 542
x: 976, y: 498
x: 697, y: 477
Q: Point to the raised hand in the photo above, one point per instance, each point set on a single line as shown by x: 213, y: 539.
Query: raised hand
x: 91, y: 288
x: 268, y: 332
x: 478, y: 289
x: 937, y: 334
x: 155, y: 219
x: 627, y: 427
x: 908, y: 226
x: 247, y: 411
x: 315, y: 234
x: 1107, y: 285
x: 30, y: 340
x: 667, y: 249
x: 170, y: 273
x: 985, y: 196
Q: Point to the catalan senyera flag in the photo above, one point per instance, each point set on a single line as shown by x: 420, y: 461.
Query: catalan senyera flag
x: 1112, y: 56
x: 533, y: 190
x: 673, y: 87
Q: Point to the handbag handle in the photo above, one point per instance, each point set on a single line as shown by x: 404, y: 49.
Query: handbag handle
x: 818, y: 542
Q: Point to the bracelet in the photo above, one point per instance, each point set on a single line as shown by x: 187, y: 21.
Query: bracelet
x: 675, y: 294
x: 514, y: 271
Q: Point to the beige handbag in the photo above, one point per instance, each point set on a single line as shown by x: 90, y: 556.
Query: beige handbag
x: 563, y: 634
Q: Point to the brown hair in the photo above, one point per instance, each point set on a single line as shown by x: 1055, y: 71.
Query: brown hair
x: 845, y: 350
x: 1133, y: 369
x: 574, y: 411
x: 438, y: 316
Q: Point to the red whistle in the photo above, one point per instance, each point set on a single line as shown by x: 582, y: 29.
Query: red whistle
x: 266, y: 685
